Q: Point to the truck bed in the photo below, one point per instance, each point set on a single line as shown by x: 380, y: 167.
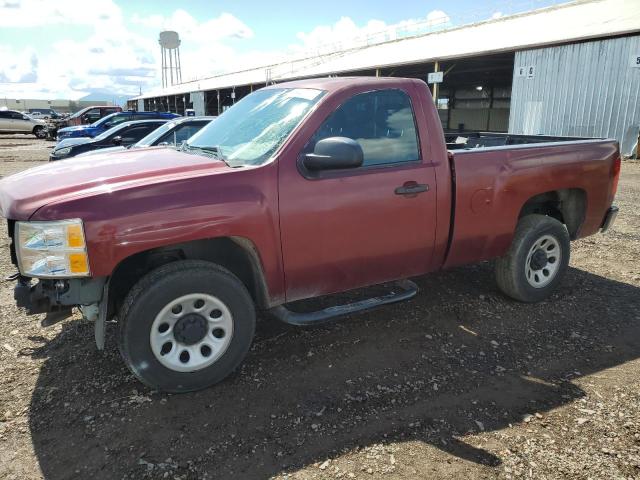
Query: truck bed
x: 493, y: 185
x: 470, y: 140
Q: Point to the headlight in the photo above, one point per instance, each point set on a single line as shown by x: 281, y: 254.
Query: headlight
x: 52, y: 249
x: 62, y: 151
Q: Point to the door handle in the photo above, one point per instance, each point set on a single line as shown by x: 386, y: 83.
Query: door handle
x: 412, y: 188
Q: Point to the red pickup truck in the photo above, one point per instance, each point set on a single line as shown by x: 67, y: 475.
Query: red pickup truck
x: 300, y: 190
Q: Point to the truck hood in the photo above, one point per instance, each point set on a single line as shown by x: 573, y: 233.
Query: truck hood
x: 24, y: 193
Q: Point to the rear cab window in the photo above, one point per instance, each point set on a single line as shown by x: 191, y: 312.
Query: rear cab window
x: 109, y: 111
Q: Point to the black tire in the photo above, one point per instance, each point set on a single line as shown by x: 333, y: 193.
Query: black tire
x: 153, y: 293
x: 511, y: 270
x: 40, y: 132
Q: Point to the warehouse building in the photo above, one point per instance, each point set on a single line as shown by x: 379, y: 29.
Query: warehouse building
x: 59, y: 105
x: 571, y: 69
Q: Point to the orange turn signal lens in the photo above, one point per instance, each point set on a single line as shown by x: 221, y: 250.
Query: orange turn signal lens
x: 75, y: 236
x: 78, y: 263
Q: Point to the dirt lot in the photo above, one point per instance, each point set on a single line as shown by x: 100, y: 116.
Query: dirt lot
x: 457, y: 383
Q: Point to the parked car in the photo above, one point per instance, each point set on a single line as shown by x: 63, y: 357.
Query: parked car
x: 36, y: 115
x: 16, y: 122
x: 124, y: 134
x: 171, y: 133
x: 109, y: 121
x: 44, y: 113
x: 299, y: 190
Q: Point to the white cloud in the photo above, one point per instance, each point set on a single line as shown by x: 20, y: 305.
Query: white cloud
x: 203, y: 50
x: 35, y: 13
x: 438, y: 17
x: 346, y: 34
x: 113, y: 58
x: 497, y: 15
x: 121, y: 55
x: 341, y: 34
x: 21, y: 67
x: 190, y: 29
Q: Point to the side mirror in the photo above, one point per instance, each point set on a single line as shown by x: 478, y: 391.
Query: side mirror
x: 117, y: 140
x: 334, y: 153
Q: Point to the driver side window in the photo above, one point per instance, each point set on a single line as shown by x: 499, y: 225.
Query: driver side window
x: 382, y: 122
x: 134, y: 133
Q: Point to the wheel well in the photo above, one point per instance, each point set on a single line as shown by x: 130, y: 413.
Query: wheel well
x: 238, y: 255
x: 569, y: 206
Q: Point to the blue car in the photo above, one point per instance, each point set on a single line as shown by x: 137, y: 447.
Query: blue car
x: 105, y: 123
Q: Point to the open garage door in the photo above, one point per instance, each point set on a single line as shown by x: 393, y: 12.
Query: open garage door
x: 475, y: 94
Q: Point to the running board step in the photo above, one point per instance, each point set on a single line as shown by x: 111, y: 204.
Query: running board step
x: 407, y: 290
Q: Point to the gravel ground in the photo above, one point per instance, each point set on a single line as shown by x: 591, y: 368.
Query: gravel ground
x: 459, y: 382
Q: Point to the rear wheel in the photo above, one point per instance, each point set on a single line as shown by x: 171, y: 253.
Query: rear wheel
x: 40, y: 132
x: 536, y: 261
x: 186, y: 326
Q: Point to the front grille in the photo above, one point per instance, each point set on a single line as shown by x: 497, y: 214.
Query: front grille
x: 12, y: 245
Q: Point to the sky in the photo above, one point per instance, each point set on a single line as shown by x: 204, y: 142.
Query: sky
x: 54, y: 49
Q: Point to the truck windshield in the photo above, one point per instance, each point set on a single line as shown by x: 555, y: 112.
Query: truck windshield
x: 251, y: 131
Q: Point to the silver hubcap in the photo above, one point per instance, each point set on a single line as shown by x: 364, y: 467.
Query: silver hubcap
x: 543, y: 261
x: 191, y: 332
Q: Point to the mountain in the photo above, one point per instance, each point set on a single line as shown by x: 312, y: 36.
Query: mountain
x: 107, y: 96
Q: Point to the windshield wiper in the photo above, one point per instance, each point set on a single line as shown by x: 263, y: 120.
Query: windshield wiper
x: 213, y: 152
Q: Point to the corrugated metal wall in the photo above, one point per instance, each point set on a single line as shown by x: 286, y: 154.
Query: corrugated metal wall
x: 587, y: 89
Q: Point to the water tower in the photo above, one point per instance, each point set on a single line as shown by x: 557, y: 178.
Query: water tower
x: 170, y: 49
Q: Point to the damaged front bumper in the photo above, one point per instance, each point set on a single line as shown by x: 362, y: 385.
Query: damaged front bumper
x: 56, y: 299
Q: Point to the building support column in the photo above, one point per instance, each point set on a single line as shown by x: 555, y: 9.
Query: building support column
x: 435, y: 85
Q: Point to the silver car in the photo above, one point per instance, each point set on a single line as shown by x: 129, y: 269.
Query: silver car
x: 16, y: 122
x: 172, y: 133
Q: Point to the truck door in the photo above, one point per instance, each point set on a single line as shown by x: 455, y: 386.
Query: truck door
x: 362, y: 226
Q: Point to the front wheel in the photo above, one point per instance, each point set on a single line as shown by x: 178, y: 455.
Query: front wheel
x: 40, y: 132
x: 536, y: 261
x: 186, y: 326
